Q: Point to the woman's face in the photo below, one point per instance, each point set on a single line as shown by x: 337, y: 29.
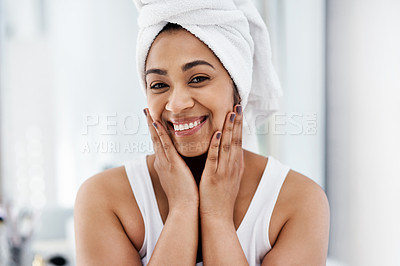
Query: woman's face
x: 188, y: 90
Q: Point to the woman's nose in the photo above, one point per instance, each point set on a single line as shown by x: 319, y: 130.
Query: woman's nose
x: 179, y: 100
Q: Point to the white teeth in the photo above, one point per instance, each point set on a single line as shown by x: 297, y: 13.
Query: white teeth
x: 186, y: 126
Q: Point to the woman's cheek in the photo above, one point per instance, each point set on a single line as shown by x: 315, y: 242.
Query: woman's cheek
x: 220, y: 122
x: 154, y: 108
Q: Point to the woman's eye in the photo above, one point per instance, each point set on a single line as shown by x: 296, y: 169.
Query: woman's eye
x: 158, y: 86
x: 198, y: 79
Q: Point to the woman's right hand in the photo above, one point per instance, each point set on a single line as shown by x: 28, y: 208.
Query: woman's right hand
x: 175, y: 176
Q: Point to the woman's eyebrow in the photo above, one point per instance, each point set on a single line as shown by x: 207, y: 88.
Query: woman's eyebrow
x: 189, y: 65
x: 185, y: 67
x: 156, y: 71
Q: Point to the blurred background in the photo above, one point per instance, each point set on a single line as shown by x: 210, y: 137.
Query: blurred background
x: 71, y: 106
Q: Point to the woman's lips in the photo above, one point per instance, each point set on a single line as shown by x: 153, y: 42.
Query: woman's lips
x: 187, y: 127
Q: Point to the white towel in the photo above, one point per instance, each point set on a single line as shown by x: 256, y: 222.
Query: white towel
x: 234, y: 31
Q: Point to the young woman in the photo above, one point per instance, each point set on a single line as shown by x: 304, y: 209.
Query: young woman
x: 200, y: 198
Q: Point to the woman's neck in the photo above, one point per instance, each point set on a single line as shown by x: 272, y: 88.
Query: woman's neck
x: 196, y: 165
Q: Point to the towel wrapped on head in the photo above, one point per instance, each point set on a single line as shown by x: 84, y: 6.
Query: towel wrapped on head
x: 234, y: 31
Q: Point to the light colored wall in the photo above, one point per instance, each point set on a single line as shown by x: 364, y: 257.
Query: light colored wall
x: 67, y: 60
x: 2, y: 28
x: 98, y: 97
x: 363, y: 131
x: 296, y: 133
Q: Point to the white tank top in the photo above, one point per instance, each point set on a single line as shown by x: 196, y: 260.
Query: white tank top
x: 253, y: 230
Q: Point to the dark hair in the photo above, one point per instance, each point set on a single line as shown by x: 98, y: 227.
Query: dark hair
x: 236, y: 95
x: 171, y: 27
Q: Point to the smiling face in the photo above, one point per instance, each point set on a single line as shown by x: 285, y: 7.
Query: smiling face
x: 188, y: 90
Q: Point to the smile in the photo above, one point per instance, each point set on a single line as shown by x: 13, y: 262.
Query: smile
x: 186, y: 127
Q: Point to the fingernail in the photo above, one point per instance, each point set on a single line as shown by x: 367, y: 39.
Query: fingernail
x: 145, y: 112
x: 232, y: 117
x: 154, y: 124
x: 219, y: 135
x: 239, y: 109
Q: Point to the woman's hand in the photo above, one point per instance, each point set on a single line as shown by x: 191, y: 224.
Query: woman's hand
x: 220, y: 182
x: 177, y: 244
x: 219, y: 187
x: 175, y: 176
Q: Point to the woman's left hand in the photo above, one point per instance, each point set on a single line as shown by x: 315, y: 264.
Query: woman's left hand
x: 220, y: 182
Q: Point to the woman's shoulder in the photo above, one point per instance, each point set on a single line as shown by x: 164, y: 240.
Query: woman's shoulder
x: 301, y: 193
x: 296, y: 186
x: 105, y: 185
x: 300, y: 218
x: 301, y: 201
x: 111, y: 184
x: 109, y: 193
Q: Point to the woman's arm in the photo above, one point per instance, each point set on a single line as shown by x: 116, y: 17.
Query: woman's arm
x: 219, y: 187
x: 99, y: 235
x: 220, y: 243
x: 177, y: 244
x: 303, y: 239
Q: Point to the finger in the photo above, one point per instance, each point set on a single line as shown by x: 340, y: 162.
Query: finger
x: 212, y: 156
x: 167, y: 144
x: 226, y: 140
x: 236, y: 144
x: 157, y: 145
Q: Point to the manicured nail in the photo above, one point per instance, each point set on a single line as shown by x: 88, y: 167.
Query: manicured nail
x: 155, y: 125
x: 145, y: 112
x: 219, y: 135
x: 232, y: 117
x: 239, y: 109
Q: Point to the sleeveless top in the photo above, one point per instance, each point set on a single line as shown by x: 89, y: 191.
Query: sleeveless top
x: 253, y: 232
